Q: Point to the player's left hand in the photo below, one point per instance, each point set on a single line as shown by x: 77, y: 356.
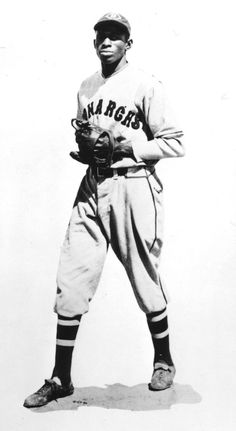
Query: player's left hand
x: 121, y: 150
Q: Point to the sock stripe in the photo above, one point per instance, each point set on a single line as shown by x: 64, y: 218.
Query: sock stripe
x: 78, y: 317
x: 155, y: 314
x: 161, y: 334
x: 65, y: 343
x: 159, y: 317
x: 68, y: 322
x: 158, y: 327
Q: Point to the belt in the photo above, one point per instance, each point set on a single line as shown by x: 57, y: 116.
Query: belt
x: 108, y: 172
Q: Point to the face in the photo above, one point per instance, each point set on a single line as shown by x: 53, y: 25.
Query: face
x: 111, y: 43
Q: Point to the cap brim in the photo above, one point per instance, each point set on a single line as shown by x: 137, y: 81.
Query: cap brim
x: 103, y: 23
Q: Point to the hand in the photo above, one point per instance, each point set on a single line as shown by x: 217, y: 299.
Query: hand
x: 102, y: 145
x: 122, y: 149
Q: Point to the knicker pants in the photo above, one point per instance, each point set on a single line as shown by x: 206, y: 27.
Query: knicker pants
x: 124, y: 212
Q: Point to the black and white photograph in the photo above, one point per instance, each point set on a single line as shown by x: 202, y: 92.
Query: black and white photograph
x: 118, y: 215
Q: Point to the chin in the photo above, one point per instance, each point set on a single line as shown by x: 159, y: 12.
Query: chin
x: 107, y: 60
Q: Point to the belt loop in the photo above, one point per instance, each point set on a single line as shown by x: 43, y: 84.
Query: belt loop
x: 149, y: 170
x: 115, y: 174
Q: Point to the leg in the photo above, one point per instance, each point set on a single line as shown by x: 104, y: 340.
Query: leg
x: 81, y: 262
x: 164, y: 369
x: 67, y: 328
x: 137, y: 242
x: 158, y: 327
x: 80, y: 266
x: 60, y: 384
x: 137, y: 236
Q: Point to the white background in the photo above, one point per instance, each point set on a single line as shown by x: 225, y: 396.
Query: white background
x: 46, y: 49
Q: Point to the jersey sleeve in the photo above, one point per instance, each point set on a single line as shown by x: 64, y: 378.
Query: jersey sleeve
x: 159, y: 119
x: 79, y: 114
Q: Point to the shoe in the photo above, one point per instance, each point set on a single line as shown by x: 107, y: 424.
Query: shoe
x: 162, y: 377
x: 48, y: 392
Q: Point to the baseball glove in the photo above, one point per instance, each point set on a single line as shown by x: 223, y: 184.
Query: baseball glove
x: 96, y: 145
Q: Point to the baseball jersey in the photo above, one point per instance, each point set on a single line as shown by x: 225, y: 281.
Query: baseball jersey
x: 133, y: 106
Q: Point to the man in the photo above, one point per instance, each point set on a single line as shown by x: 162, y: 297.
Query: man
x: 120, y: 205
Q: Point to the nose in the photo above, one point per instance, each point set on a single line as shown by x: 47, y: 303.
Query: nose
x: 106, y: 41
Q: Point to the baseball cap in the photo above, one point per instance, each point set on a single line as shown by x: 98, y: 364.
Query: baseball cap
x: 115, y: 18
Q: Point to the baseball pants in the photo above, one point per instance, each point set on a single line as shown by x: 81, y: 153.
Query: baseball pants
x: 126, y: 213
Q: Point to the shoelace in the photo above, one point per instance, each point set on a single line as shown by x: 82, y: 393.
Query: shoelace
x: 48, y: 384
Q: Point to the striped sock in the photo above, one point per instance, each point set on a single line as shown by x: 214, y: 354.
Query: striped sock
x: 158, y: 327
x: 67, y: 328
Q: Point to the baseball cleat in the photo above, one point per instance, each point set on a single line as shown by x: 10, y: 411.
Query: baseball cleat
x: 48, y: 392
x: 162, y: 377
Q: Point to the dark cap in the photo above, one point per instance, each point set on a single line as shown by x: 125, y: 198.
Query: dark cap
x: 115, y: 18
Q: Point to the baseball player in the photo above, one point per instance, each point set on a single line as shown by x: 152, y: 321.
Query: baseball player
x: 119, y: 201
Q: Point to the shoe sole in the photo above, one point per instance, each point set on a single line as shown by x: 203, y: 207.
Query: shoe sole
x: 33, y: 406
x: 158, y: 389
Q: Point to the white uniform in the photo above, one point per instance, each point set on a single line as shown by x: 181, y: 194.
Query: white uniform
x: 124, y: 211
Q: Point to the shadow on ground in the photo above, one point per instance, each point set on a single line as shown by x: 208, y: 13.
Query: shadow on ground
x: 117, y: 396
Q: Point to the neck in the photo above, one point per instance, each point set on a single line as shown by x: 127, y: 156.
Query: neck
x: 109, y: 69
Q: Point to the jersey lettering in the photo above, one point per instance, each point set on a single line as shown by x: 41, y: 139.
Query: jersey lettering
x: 99, y: 107
x: 120, y: 114
x: 128, y: 118
x: 136, y: 123
x: 110, y: 108
x: 90, y: 110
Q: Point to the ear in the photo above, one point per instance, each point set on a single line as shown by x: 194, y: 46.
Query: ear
x: 129, y: 43
x: 94, y: 43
